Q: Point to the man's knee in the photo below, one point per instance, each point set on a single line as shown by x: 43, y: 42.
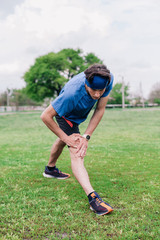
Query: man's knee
x: 75, y: 156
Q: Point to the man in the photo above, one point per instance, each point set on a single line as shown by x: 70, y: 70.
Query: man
x: 70, y: 108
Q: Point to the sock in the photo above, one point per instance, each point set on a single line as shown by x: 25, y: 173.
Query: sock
x: 51, y: 168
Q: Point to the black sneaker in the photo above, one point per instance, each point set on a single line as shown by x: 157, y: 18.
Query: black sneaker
x: 98, y: 205
x: 56, y: 173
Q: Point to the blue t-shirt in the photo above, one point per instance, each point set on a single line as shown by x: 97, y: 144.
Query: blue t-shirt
x: 73, y: 102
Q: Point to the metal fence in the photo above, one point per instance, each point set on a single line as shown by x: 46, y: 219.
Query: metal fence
x: 20, y: 108
x: 41, y: 108
x: 132, y: 106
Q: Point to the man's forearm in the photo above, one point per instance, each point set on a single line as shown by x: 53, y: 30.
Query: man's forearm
x: 95, y: 119
x: 51, y: 124
x: 48, y: 118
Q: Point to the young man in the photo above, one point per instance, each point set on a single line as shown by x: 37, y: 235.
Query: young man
x: 71, y: 108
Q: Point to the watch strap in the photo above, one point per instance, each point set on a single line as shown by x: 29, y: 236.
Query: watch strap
x: 86, y: 136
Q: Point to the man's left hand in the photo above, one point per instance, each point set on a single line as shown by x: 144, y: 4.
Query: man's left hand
x: 82, y: 147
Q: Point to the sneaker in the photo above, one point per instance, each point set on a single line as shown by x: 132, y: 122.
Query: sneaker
x: 98, y: 205
x: 56, y: 173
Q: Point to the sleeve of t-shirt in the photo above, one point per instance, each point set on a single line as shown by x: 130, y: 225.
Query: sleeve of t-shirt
x: 64, y: 103
x: 109, y: 87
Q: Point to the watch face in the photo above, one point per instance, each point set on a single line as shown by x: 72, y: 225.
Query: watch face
x: 87, y: 137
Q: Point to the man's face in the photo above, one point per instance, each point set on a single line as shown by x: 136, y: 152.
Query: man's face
x: 95, y: 93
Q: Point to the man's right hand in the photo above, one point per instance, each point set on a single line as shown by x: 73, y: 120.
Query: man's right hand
x: 73, y: 140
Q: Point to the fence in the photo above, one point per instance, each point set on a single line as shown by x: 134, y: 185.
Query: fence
x: 20, y: 108
x: 132, y: 106
x: 41, y: 108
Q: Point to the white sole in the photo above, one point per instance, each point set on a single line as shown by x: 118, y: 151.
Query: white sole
x: 50, y: 176
x: 100, y: 214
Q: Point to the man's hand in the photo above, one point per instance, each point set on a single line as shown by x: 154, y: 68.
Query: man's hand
x: 73, y: 140
x: 77, y: 141
x: 82, y: 147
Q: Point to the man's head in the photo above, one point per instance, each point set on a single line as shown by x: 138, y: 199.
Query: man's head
x: 97, y: 79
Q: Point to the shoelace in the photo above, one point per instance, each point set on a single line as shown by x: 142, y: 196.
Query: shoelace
x: 98, y: 200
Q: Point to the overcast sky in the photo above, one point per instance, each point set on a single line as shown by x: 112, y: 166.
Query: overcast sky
x: 125, y: 34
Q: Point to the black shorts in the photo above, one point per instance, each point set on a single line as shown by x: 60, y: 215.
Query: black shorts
x: 67, y: 126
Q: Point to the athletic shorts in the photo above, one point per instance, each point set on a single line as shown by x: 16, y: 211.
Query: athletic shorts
x: 67, y: 126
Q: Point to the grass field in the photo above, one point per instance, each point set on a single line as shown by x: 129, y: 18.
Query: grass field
x: 123, y: 165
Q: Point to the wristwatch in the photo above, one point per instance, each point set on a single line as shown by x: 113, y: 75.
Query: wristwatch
x: 86, y: 136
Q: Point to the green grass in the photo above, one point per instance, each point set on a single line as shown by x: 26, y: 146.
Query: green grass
x: 123, y: 165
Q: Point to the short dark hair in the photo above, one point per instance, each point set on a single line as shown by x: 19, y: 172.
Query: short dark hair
x: 97, y: 70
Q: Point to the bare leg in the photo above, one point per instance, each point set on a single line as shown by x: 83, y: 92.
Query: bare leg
x: 56, y: 151
x: 79, y: 171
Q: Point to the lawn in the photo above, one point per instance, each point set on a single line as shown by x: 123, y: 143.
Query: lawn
x: 123, y: 164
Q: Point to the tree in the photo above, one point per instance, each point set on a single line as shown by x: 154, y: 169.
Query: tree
x: 15, y: 97
x: 116, y: 94
x: 19, y: 98
x: 3, y: 99
x: 43, y: 78
x: 90, y: 59
x: 154, y: 96
x: 73, y: 62
x: 50, y: 72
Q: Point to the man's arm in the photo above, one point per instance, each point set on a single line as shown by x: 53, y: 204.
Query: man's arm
x: 97, y: 115
x: 95, y: 119
x: 47, y: 117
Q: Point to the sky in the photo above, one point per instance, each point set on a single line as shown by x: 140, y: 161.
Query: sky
x: 125, y: 34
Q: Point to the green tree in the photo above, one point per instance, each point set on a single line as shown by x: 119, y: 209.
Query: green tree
x: 154, y: 96
x: 116, y: 94
x: 73, y: 61
x: 19, y: 98
x: 3, y: 99
x: 16, y: 98
x: 50, y: 72
x: 90, y: 59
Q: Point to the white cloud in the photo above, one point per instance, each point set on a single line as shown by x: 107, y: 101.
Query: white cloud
x: 124, y: 34
x: 9, y: 68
